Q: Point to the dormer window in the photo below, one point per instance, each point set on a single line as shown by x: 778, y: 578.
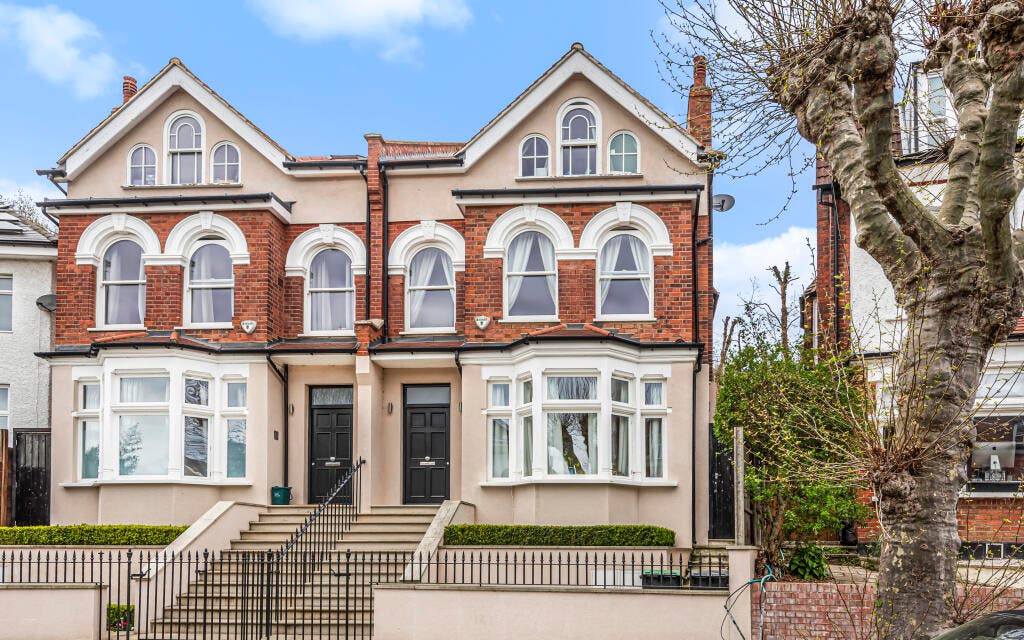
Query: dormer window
x: 534, y: 157
x: 142, y: 166
x: 226, y: 163
x: 185, y: 146
x: 578, y: 140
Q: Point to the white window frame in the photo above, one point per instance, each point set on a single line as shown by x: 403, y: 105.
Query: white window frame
x: 9, y: 293
x: 101, y: 287
x: 200, y: 164
x: 613, y: 317
x: 121, y: 408
x: 232, y: 413
x: 506, y: 274
x: 187, y: 302
x: 534, y: 157
x: 611, y: 138
x: 308, y: 291
x: 593, y: 405
x: 80, y: 416
x: 131, y: 165
x: 207, y: 411
x: 595, y: 141
x: 214, y: 164
x: 409, y: 329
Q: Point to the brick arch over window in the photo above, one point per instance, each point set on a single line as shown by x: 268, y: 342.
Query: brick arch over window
x: 529, y: 217
x: 182, y: 238
x: 646, y: 224
x: 107, y: 230
x: 326, y: 236
x: 427, y: 233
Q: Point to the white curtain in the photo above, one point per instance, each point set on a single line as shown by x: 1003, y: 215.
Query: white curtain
x: 126, y: 304
x: 426, y: 266
x: 609, y: 264
x: 654, y: 448
x: 622, y: 447
x: 205, y: 270
x: 547, y: 254
x: 499, y: 448
x: 518, y: 257
x: 321, y: 317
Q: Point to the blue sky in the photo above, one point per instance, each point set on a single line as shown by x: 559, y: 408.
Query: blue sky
x: 318, y: 74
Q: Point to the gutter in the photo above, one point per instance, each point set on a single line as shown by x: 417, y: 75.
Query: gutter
x: 145, y: 201
x: 91, y: 350
x: 426, y: 163
x: 552, y: 191
x: 325, y: 164
x: 52, y: 175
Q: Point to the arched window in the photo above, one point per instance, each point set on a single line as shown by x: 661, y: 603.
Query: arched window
x: 578, y: 136
x: 624, y: 277
x: 225, y: 163
x: 185, y: 145
x: 331, y: 292
x: 142, y: 166
x: 211, y: 285
x: 431, y: 290
x: 123, y: 285
x: 531, y: 277
x: 624, y: 153
x: 534, y: 157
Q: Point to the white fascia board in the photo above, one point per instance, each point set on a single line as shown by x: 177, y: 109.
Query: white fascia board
x: 571, y: 197
x: 145, y: 102
x: 28, y: 252
x: 192, y: 207
x: 620, y: 351
x: 414, y: 360
x: 578, y: 63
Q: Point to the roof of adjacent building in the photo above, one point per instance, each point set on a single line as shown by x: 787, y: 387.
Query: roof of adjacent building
x: 16, y: 229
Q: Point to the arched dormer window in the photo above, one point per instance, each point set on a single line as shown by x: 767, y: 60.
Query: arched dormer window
x: 578, y: 135
x: 142, y: 166
x: 430, y: 291
x: 185, y: 147
x: 623, y: 153
x: 531, y: 278
x: 624, y: 278
x: 211, y: 285
x: 534, y: 157
x: 330, y: 293
x: 226, y: 163
x: 123, y: 286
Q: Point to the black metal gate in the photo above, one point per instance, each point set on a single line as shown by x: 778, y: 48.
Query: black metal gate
x: 722, y: 488
x: 31, y: 478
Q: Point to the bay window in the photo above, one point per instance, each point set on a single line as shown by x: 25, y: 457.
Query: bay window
x: 144, y: 444
x: 196, y: 450
x: 654, y: 450
x: 88, y: 419
x: 531, y: 277
x: 620, y: 445
x: 499, y: 447
x: 234, y: 413
x: 572, y: 443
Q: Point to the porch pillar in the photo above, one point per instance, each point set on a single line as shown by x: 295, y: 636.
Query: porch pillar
x: 369, y: 410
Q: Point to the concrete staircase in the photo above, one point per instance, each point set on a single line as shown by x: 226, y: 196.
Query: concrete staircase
x: 312, y: 596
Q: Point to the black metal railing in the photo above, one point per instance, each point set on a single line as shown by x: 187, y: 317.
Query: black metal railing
x: 324, y: 594
x: 333, y: 517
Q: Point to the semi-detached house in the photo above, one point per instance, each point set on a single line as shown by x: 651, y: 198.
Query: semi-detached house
x: 520, y: 321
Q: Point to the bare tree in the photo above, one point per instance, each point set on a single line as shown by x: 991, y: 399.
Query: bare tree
x: 828, y: 71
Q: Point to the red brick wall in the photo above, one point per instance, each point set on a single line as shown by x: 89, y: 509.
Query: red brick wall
x: 813, y: 610
x: 978, y: 520
x: 833, y: 262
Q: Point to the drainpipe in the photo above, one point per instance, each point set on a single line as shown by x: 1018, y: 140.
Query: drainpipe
x: 283, y: 377
x: 369, y: 259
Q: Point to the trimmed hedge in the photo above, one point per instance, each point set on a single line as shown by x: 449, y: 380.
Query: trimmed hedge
x: 89, y: 534
x: 626, y: 535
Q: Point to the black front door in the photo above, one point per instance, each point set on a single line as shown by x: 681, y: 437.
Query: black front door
x: 31, y: 478
x: 330, y: 440
x: 427, y: 415
x: 723, y: 497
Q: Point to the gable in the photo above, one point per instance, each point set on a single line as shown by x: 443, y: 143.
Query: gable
x: 578, y: 63
x: 173, y: 78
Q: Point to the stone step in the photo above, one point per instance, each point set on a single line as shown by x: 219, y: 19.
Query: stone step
x: 357, y: 527
x: 363, y: 518
x: 358, y: 627
x: 304, y: 614
x: 375, y: 544
x: 430, y: 510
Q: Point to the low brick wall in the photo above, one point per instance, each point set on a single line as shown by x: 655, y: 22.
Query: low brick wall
x: 978, y: 519
x: 813, y: 610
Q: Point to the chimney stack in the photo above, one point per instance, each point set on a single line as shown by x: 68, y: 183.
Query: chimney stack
x: 698, y: 109
x: 129, y: 88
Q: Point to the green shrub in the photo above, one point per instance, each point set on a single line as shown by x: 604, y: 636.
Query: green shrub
x: 807, y: 562
x: 120, y: 617
x: 88, y: 534
x: 546, y: 536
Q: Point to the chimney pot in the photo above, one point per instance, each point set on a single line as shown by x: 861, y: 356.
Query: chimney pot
x: 700, y: 71
x: 129, y: 88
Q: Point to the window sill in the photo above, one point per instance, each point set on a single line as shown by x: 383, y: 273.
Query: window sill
x: 207, y: 325
x: 524, y: 319
x: 625, y: 318
x: 592, y: 176
x: 328, y: 334
x: 427, y: 332
x: 580, y: 480
x: 203, y: 185
x: 118, y: 327
x: 205, y: 482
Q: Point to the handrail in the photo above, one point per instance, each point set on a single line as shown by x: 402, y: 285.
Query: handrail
x: 331, y: 519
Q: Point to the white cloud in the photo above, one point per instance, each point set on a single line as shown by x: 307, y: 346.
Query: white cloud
x: 390, y: 24
x: 37, y: 189
x: 60, y: 46
x: 741, y: 270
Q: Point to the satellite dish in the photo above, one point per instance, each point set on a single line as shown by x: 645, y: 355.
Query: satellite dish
x: 722, y: 202
x: 47, y: 302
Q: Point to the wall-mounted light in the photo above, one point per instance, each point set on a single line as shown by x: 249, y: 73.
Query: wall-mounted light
x: 391, y: 408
